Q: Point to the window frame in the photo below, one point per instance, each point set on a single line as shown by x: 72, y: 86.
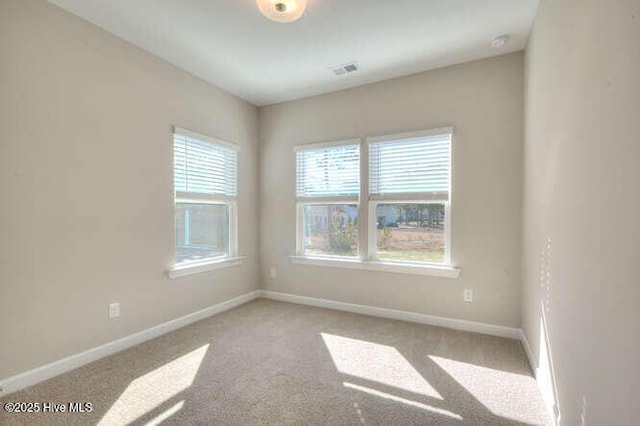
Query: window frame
x: 410, y: 198
x: 301, y: 202
x: 231, y: 258
x: 367, y: 235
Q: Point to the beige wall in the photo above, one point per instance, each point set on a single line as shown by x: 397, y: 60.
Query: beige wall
x: 86, y: 180
x: 582, y: 206
x: 86, y: 210
x: 483, y: 100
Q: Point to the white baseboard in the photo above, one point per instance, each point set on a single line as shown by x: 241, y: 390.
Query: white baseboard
x: 527, y: 350
x: 39, y: 374
x: 547, y: 394
x: 472, y: 326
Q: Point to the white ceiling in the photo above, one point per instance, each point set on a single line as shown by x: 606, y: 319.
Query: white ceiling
x: 230, y: 44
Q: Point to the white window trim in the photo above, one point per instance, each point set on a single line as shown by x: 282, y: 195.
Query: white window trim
x: 410, y: 135
x: 367, y: 244
x: 194, y: 135
x: 233, y: 258
x: 436, y: 270
x: 331, y: 144
x: 198, y: 268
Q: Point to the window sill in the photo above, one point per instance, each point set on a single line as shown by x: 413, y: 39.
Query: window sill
x: 401, y: 268
x: 197, y: 268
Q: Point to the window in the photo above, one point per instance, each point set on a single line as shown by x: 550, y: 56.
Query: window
x: 205, y: 185
x: 328, y: 187
x: 409, y: 180
x: 393, y: 209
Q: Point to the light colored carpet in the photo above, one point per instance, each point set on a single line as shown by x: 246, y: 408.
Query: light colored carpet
x: 270, y: 362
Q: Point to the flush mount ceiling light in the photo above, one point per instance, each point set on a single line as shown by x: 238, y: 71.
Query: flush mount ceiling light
x: 282, y: 10
x: 500, y: 40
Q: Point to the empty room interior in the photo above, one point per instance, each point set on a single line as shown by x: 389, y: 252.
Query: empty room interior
x: 320, y: 212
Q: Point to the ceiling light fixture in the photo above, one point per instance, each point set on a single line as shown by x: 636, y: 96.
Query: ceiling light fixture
x: 282, y: 10
x: 500, y: 40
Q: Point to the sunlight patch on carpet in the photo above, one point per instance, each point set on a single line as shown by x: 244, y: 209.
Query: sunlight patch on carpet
x: 405, y: 401
x: 154, y: 388
x: 165, y: 414
x: 379, y: 363
x: 503, y: 393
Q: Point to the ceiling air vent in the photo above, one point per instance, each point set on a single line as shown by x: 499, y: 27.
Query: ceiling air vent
x: 344, y: 69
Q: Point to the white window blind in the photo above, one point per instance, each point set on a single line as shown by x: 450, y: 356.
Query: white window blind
x: 202, y: 167
x: 328, y: 171
x: 419, y: 165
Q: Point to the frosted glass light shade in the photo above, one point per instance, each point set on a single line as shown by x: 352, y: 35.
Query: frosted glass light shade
x: 282, y: 10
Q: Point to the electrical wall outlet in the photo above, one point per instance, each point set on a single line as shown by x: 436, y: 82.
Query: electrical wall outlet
x: 272, y: 273
x: 467, y: 294
x: 114, y: 310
